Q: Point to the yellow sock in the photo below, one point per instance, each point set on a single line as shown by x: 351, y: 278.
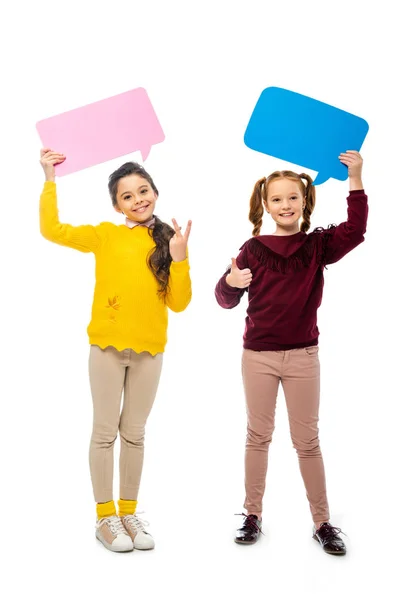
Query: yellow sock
x: 126, y: 507
x: 106, y: 509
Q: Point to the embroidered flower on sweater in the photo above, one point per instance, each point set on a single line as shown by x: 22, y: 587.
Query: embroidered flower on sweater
x: 114, y: 303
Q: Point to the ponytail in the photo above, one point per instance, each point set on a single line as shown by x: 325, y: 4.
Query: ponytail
x: 256, y: 206
x: 159, y: 259
x: 310, y: 202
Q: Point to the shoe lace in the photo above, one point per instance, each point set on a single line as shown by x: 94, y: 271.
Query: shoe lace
x: 136, y: 523
x: 115, y: 524
x: 328, y: 532
x: 250, y: 522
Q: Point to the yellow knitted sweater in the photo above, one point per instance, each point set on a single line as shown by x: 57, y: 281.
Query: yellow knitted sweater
x: 127, y: 312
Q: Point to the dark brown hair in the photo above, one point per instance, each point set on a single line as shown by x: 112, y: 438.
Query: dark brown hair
x: 159, y: 259
x: 260, y: 192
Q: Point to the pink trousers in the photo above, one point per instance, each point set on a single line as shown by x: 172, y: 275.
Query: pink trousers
x: 298, y: 371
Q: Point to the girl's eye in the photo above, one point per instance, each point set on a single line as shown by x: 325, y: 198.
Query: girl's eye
x: 294, y: 198
x: 127, y: 197
x: 144, y: 191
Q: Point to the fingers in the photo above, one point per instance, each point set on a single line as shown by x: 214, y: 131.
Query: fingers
x: 48, y: 154
x: 351, y: 162
x: 44, y: 151
x: 351, y: 156
x: 53, y: 160
x: 243, y: 271
x: 177, y: 228
x: 245, y: 281
x: 242, y: 277
x: 188, y: 230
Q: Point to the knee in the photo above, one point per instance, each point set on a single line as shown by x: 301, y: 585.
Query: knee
x: 307, y: 447
x: 133, y: 435
x: 258, y: 439
x: 104, y: 435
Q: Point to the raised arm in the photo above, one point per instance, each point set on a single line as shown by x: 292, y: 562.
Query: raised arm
x: 348, y: 235
x: 85, y: 237
x: 179, y: 284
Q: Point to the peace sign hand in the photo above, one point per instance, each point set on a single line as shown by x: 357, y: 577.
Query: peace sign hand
x: 178, y: 243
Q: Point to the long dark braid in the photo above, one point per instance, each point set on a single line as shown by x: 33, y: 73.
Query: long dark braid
x: 159, y: 259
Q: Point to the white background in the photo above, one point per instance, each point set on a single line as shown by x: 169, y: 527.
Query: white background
x: 203, y: 65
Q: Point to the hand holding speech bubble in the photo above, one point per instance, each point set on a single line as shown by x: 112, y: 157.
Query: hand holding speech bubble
x: 304, y: 131
x: 103, y: 130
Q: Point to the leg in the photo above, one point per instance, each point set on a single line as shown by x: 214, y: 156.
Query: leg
x: 301, y: 384
x: 107, y: 374
x: 141, y: 385
x: 261, y: 376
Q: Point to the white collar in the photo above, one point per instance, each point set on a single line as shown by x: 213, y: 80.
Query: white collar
x: 132, y: 224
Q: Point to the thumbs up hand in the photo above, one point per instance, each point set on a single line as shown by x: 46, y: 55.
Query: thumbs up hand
x: 239, y: 278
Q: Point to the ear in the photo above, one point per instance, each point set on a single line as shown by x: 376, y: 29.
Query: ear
x: 266, y: 206
x: 117, y: 209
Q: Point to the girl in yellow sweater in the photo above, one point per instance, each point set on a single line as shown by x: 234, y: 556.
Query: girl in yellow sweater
x: 142, y: 269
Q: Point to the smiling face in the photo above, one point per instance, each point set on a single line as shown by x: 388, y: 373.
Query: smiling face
x: 136, y: 198
x: 285, y: 203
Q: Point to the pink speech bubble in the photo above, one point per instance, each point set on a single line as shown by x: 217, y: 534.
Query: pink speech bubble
x: 103, y: 130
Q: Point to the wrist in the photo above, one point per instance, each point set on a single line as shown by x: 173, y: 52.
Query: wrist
x: 355, y: 183
x: 228, y: 280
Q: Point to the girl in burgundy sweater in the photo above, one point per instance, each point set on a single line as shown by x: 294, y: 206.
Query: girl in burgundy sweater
x: 283, y: 275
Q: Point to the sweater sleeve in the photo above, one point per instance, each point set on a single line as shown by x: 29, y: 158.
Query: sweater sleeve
x: 226, y: 295
x: 180, y: 286
x: 343, y: 238
x: 84, y: 238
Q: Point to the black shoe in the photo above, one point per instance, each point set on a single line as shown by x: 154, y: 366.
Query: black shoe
x: 250, y: 531
x: 329, y: 539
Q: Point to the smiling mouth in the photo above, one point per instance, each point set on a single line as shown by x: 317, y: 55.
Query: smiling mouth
x: 141, y: 209
x: 286, y: 214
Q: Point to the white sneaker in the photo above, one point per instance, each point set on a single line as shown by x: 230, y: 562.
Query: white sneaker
x: 112, y: 534
x: 142, y: 540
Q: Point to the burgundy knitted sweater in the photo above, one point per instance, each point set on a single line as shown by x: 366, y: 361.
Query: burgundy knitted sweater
x: 287, y: 284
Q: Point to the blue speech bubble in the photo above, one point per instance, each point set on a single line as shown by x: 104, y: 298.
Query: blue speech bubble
x: 304, y: 131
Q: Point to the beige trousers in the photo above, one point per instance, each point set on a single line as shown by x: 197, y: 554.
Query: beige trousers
x: 299, y: 372
x: 112, y: 372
